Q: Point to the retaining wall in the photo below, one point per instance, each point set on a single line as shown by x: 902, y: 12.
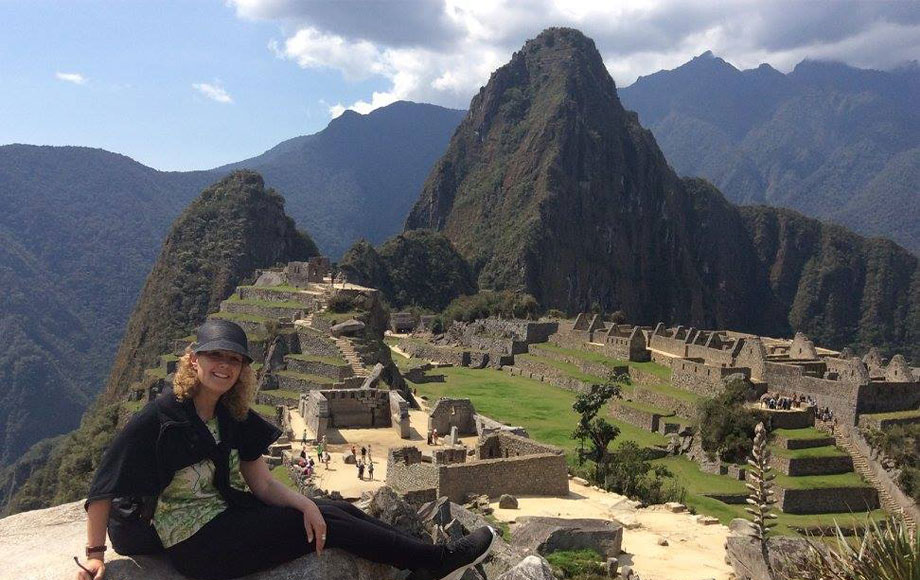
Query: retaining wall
x: 642, y: 419
x: 812, y: 465
x: 566, y: 383
x: 831, y: 500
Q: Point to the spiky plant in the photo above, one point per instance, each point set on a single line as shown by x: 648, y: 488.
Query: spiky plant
x: 760, y: 484
x: 881, y: 552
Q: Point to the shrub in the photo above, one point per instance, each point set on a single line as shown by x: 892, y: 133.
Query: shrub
x: 505, y: 304
x: 881, y: 552
x: 340, y: 302
x: 726, y: 425
x: 577, y: 564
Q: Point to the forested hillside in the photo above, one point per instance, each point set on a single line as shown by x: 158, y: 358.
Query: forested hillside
x: 829, y: 140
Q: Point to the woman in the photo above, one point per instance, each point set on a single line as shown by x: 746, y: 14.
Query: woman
x: 199, y: 447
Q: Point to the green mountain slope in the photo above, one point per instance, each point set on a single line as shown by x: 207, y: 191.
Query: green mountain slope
x: 826, y: 139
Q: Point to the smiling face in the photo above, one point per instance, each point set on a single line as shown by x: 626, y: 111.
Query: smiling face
x: 217, y: 370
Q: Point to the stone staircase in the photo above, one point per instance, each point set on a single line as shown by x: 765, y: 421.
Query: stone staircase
x: 351, y: 356
x: 861, y: 466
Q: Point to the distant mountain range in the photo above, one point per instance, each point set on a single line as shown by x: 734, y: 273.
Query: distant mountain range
x: 829, y: 140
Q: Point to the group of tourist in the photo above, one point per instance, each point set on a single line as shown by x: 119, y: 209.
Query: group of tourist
x: 786, y: 403
x: 432, y: 437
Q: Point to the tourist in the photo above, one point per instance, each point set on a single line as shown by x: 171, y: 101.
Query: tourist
x: 370, y: 470
x: 326, y: 459
x: 354, y: 452
x: 207, y: 525
x: 429, y: 437
x: 369, y: 453
x: 360, y: 469
x: 303, y: 439
x: 434, y: 436
x: 363, y: 452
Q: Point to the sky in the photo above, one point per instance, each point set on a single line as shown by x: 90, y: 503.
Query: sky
x: 182, y: 85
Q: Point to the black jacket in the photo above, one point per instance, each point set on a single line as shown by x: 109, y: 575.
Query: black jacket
x: 166, y: 436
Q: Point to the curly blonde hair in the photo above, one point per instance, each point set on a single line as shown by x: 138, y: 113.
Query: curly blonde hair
x: 237, y: 399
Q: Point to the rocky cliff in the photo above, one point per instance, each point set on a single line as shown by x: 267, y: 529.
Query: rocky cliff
x: 550, y: 186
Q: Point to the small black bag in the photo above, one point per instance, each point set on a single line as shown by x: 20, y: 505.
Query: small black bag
x: 130, y: 527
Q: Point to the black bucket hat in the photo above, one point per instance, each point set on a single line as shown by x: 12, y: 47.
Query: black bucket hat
x: 219, y: 334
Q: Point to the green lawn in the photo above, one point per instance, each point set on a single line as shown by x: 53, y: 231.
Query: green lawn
x: 649, y: 367
x: 826, y: 451
x: 547, y: 416
x: 291, y: 395
x: 807, y: 433
x: 158, y: 372
x: 264, y: 410
x: 851, y: 479
x: 672, y: 392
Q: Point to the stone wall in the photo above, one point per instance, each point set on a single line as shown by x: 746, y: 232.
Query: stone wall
x: 839, y: 396
x: 794, y: 419
x: 503, y: 444
x: 544, y: 474
x: 443, y: 354
x: 887, y: 397
x: 642, y: 419
x: 399, y: 415
x: 311, y: 367
x: 804, y: 443
x: 812, y: 465
x: 447, y: 413
x: 833, y: 500
x: 314, y: 408
x: 358, y: 408
x: 407, y: 471
x: 663, y: 401
x: 702, y: 379
x: 312, y: 341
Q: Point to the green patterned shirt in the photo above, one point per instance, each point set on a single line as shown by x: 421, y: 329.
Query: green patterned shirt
x: 191, y: 499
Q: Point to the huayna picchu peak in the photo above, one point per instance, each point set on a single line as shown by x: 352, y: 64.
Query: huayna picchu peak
x: 551, y: 187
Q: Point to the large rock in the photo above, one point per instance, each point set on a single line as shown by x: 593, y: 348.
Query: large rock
x: 546, y: 535
x: 530, y: 568
x: 350, y: 327
x: 373, y: 379
x: 744, y: 553
x: 40, y: 545
x: 504, y: 556
x: 388, y: 506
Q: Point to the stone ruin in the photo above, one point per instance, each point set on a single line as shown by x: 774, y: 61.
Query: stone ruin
x: 354, y: 409
x: 620, y: 341
x: 503, y: 463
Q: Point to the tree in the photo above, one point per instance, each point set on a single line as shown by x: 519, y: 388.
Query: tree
x: 596, y: 432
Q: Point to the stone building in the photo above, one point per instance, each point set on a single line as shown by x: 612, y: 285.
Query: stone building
x: 354, y: 409
x: 504, y: 463
x: 448, y: 413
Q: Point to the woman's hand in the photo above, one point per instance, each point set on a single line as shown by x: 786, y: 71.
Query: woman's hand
x: 94, y: 565
x: 315, y: 525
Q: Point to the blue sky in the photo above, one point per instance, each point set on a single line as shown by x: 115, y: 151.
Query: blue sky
x: 196, y: 84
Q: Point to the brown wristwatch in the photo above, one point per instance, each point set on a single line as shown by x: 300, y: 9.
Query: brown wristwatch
x: 94, y: 549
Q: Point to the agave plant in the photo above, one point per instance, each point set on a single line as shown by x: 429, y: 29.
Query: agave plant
x: 760, y: 484
x: 880, y: 552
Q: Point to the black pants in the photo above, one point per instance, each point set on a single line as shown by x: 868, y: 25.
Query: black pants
x: 241, y: 541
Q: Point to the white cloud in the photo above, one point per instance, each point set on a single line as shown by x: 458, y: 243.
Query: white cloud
x: 75, y: 78
x: 442, y: 51
x: 215, y: 92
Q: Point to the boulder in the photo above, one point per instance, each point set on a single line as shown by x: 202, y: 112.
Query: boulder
x: 271, y: 279
x: 350, y: 459
x: 386, y: 505
x: 42, y: 543
x: 504, y: 556
x: 545, y: 535
x: 530, y: 568
x: 350, y: 327
x: 507, y: 502
x: 744, y: 553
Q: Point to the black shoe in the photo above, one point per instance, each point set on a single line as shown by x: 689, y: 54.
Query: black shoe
x: 464, y: 553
